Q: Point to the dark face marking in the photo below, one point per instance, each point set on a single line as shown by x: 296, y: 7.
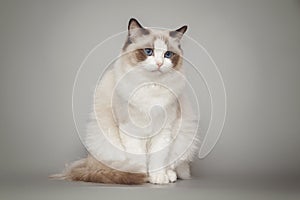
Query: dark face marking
x: 175, y: 60
x: 144, y: 31
x: 173, y: 33
x: 140, y: 55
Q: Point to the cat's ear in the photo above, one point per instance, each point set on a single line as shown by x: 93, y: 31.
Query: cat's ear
x: 135, y: 28
x: 133, y: 23
x: 179, y: 32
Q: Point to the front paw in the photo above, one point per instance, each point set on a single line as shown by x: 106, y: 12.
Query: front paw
x: 172, y: 175
x: 159, y: 178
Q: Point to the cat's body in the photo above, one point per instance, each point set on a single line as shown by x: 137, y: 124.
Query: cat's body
x: 142, y: 121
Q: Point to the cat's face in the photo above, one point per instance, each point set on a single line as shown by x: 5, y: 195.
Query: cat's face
x: 153, y: 50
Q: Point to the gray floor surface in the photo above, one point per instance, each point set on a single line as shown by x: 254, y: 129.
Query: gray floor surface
x: 188, y: 189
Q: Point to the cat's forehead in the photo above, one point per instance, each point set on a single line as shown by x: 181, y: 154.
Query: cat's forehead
x: 159, y: 33
x: 153, y: 36
x: 160, y: 44
x: 158, y: 39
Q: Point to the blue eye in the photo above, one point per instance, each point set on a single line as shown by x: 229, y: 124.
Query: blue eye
x: 148, y: 51
x: 169, y: 54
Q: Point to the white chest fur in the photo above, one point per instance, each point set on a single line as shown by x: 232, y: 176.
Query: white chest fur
x: 150, y: 108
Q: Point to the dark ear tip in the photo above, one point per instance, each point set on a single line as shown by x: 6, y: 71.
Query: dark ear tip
x: 179, y: 32
x: 133, y: 23
x: 132, y: 19
x: 184, y: 28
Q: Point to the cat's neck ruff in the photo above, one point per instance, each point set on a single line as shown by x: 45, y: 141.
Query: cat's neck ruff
x: 152, y: 84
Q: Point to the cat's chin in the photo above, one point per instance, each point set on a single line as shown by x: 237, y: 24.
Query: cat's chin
x: 156, y: 72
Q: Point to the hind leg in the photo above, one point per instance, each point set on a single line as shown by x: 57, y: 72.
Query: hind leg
x: 183, y: 170
x: 135, y: 150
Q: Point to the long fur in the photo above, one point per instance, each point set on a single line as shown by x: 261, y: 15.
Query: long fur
x: 122, y: 158
x: 91, y: 170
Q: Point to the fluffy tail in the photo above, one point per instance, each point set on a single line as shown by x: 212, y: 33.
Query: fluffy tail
x: 91, y: 170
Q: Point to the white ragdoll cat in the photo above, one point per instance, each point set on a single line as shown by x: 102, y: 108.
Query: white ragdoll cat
x: 142, y: 128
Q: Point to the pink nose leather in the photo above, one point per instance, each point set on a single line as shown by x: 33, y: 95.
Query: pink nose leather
x: 159, y: 64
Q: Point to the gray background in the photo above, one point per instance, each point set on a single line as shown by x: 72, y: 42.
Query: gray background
x: 256, y: 45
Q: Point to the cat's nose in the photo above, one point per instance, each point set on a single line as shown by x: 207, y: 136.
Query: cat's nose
x: 159, y: 64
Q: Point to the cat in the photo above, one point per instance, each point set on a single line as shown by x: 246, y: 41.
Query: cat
x: 142, y: 126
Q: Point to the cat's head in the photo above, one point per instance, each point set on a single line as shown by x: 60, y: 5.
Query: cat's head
x: 151, y: 49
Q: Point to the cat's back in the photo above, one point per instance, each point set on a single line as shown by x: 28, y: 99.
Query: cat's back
x: 104, y: 90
